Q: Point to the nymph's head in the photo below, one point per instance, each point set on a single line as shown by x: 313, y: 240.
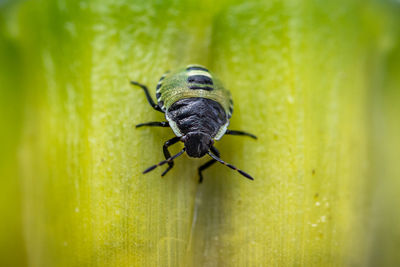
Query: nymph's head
x: 197, y: 144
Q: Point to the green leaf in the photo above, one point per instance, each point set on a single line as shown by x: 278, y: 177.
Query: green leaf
x: 303, y: 75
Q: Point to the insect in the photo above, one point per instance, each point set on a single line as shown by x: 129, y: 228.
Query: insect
x: 197, y: 108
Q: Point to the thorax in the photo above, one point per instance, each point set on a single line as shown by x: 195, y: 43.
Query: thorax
x: 197, y: 114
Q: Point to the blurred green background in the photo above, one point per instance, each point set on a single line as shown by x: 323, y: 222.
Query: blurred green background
x: 317, y: 81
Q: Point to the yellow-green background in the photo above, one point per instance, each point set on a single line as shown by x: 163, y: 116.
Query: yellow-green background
x: 317, y: 81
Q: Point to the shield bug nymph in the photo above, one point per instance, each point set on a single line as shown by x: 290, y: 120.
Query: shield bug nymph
x: 197, y: 108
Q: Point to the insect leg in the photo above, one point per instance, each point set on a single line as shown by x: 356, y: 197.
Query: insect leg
x: 207, y: 164
x: 149, y: 99
x: 154, y: 123
x: 167, y: 155
x: 231, y: 132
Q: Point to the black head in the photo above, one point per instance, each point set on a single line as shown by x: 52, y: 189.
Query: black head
x: 197, y: 144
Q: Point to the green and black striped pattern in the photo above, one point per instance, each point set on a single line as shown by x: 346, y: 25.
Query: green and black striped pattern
x: 192, y: 81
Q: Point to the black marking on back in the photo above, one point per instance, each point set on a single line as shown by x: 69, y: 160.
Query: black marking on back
x: 196, y: 68
x: 230, y: 112
x: 197, y: 114
x: 160, y: 82
x: 196, y: 87
x: 201, y: 79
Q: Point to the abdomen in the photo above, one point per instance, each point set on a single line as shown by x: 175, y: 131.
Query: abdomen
x: 194, y: 81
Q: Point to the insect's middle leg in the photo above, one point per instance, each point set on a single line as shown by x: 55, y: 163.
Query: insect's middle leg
x: 233, y: 132
x: 167, y: 155
x: 154, y: 123
x: 207, y: 164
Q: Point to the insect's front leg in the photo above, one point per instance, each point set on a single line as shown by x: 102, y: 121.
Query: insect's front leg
x: 207, y: 164
x: 167, y: 155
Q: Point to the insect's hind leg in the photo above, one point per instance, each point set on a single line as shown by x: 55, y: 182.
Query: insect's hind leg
x: 149, y: 99
x: 167, y: 155
x: 207, y: 164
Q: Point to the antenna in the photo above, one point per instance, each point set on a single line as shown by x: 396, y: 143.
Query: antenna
x: 230, y: 166
x: 164, y: 161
